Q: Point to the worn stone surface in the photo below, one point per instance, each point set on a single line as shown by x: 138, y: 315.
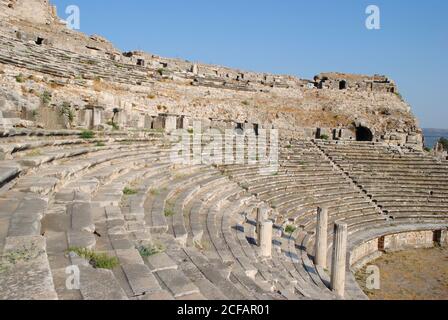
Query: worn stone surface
x: 71, y: 190
x: 141, y: 279
x: 160, y: 261
x: 136, y: 81
x: 24, y: 270
x: 177, y: 283
x: 82, y: 217
x: 99, y: 284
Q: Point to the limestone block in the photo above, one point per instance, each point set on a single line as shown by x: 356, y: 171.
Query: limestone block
x: 99, y: 284
x: 29, y: 277
x: 177, y: 283
x: 82, y: 216
x: 141, y: 279
x: 170, y: 124
x: 160, y: 261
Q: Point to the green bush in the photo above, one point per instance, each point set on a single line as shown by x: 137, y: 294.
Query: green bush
x: 324, y: 137
x: 46, y: 97
x: 87, y: 134
x: 113, y: 124
x: 169, y: 212
x: 129, y: 192
x: 290, y: 229
x: 97, y: 260
x: 66, y: 111
x: 20, y: 78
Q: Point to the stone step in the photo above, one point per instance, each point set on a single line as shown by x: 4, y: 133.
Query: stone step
x: 81, y: 216
x: 99, y: 284
x: 217, y: 274
x: 178, y: 284
x: 7, y: 174
x: 24, y: 270
x: 26, y: 219
x: 160, y: 262
x: 141, y: 280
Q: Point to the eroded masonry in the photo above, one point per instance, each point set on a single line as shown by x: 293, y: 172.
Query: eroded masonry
x: 87, y: 177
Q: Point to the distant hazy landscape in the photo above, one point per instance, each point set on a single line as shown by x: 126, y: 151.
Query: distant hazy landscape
x: 433, y: 135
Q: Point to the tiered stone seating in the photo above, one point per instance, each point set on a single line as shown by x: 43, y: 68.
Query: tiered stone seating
x: 67, y: 64
x: 196, y: 223
x: 406, y: 185
x: 32, y: 201
x: 304, y: 181
x: 76, y: 199
x: 52, y: 61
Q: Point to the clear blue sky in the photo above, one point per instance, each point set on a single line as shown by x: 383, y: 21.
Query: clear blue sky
x: 295, y: 37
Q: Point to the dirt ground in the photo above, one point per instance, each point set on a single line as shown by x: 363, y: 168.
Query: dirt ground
x: 410, y: 275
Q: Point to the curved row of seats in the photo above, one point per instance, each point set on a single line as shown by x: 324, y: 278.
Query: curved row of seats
x: 178, y: 231
x: 192, y: 212
x: 310, y: 176
x: 79, y: 67
x: 404, y: 184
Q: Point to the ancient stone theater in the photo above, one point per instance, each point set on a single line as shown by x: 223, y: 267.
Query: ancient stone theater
x: 96, y: 202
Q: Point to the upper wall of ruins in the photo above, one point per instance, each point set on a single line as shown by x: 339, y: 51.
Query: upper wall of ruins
x: 46, y: 27
x: 145, y: 83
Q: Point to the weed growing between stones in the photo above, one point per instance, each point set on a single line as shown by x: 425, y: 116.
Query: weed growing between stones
x: 290, y: 229
x: 20, y: 78
x: 97, y: 260
x: 113, y: 125
x: 87, y: 134
x: 66, y: 111
x: 147, y: 251
x: 46, y: 98
x: 10, y: 259
x: 129, y: 192
x: 169, y: 212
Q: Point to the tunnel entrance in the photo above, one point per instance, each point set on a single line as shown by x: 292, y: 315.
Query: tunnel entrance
x: 342, y: 85
x: 363, y: 134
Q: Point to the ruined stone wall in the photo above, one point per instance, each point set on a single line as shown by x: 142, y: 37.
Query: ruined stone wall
x: 87, y: 70
x: 343, y: 81
x: 366, y: 250
x: 370, y: 250
x: 409, y: 240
